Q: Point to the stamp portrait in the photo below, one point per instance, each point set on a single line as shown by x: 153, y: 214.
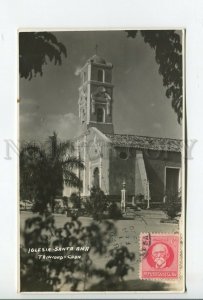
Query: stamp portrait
x: 160, y: 256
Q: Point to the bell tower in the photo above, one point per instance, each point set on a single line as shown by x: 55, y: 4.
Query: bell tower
x: 96, y: 95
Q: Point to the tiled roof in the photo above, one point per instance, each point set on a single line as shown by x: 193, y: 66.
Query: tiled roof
x: 145, y: 142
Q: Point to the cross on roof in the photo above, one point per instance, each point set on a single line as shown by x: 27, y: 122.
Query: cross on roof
x: 96, y: 48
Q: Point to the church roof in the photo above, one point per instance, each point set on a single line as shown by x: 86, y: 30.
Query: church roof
x: 145, y: 142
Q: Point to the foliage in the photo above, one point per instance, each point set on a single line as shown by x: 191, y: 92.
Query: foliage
x: 120, y: 259
x: 34, y: 50
x: 65, y: 201
x: 114, y: 212
x: 75, y: 200
x: 43, y: 172
x: 140, y: 201
x: 139, y: 197
x: 96, y: 205
x: 168, y: 54
x: 45, y: 274
x: 115, y: 270
x: 172, y: 206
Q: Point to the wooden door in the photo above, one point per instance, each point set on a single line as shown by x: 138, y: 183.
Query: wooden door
x: 172, y: 181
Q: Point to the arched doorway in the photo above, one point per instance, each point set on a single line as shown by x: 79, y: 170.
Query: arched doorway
x: 96, y: 178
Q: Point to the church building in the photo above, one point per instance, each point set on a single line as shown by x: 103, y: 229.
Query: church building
x: 149, y: 166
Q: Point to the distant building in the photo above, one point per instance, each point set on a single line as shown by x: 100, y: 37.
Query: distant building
x: 149, y: 166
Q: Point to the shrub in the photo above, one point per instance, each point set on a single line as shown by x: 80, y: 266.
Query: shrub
x: 114, y: 212
x: 172, y: 206
x: 139, y: 200
x: 120, y: 261
x: 38, y: 274
x: 96, y: 204
x: 65, y: 201
x: 75, y: 200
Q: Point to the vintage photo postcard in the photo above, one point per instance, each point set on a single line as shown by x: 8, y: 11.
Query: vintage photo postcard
x: 101, y: 166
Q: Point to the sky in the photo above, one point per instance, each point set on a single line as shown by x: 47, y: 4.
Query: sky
x: 50, y: 102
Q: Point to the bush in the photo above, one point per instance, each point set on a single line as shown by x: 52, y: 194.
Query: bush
x: 65, y: 201
x: 139, y: 200
x: 172, y: 206
x: 39, y: 274
x: 114, y: 212
x: 75, y: 200
x: 120, y: 261
x: 96, y: 204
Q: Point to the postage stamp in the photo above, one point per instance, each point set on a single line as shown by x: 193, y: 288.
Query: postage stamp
x: 159, y: 256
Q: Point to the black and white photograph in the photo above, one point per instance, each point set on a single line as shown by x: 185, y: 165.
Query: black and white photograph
x: 101, y: 201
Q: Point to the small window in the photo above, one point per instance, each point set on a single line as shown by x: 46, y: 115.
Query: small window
x: 100, y: 115
x: 107, y: 76
x: 100, y: 75
x: 123, y: 155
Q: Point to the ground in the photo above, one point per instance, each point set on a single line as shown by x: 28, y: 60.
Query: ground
x: 128, y: 232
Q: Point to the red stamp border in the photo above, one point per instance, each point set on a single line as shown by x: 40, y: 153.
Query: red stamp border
x: 153, y: 243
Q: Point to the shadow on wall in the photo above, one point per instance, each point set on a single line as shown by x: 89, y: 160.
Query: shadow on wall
x: 155, y: 171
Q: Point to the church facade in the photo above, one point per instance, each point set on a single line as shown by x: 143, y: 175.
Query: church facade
x: 147, y: 166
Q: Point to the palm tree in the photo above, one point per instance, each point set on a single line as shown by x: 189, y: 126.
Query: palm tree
x: 45, y: 169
